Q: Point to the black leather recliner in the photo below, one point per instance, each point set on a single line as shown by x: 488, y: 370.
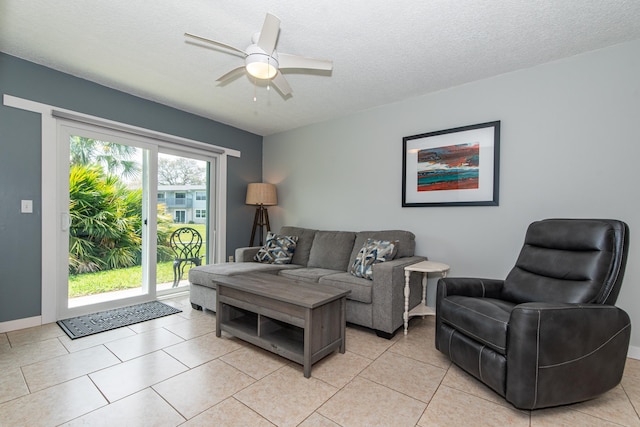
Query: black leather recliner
x: 549, y: 334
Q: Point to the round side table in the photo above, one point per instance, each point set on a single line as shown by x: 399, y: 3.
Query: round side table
x: 422, y: 309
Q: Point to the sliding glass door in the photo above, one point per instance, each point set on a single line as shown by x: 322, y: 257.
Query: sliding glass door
x: 134, y: 218
x: 105, y: 207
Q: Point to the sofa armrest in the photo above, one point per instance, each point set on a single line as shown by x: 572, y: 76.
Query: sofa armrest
x: 246, y: 254
x: 388, y: 293
x: 564, y: 353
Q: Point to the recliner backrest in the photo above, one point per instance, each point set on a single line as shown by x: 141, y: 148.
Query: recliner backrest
x: 570, y: 260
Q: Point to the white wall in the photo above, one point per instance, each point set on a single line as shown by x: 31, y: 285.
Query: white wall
x: 570, y: 147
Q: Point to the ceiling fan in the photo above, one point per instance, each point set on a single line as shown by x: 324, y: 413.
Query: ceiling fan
x: 262, y: 61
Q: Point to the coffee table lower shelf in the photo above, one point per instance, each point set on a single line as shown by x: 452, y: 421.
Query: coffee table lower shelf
x: 283, y: 339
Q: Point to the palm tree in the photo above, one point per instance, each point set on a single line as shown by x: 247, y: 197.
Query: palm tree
x: 105, y: 221
x: 115, y: 159
x: 106, y: 216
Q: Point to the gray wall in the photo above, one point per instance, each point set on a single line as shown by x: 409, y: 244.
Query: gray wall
x: 570, y: 146
x: 20, y: 166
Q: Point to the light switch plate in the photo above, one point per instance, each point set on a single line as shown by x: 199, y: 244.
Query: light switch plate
x: 26, y: 206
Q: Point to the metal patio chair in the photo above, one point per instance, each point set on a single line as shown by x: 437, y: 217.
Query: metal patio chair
x: 186, y: 243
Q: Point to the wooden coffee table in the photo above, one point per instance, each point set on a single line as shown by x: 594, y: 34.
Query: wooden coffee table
x: 300, y: 321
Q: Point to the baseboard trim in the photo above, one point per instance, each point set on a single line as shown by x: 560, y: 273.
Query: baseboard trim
x: 634, y: 352
x: 14, y: 325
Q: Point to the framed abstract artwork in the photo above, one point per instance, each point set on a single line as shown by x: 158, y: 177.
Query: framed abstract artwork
x: 452, y: 167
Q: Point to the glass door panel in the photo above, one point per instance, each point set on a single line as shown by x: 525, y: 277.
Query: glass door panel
x: 183, y: 220
x: 107, y: 195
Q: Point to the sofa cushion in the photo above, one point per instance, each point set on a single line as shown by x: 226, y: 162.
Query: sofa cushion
x: 307, y: 274
x: 361, y: 289
x: 406, y: 242
x: 331, y: 250
x: 204, y: 274
x: 372, y: 252
x: 303, y: 247
x: 277, y: 249
x: 482, y: 319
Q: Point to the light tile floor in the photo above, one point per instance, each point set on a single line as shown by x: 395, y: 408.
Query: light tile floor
x: 174, y: 371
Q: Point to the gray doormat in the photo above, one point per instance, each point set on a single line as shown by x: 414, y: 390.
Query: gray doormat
x: 89, y: 324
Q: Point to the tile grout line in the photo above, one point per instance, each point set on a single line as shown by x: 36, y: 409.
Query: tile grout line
x: 395, y: 349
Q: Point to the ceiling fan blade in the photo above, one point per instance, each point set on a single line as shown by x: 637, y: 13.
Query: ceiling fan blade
x: 236, y: 72
x: 269, y: 33
x: 219, y: 44
x: 294, y: 61
x: 281, y: 84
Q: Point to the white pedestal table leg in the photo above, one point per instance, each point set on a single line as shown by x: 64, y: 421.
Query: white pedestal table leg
x: 407, y: 275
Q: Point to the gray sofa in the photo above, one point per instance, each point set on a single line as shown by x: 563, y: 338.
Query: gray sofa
x: 325, y: 258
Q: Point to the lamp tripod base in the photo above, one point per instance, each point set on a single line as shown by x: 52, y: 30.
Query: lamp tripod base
x: 260, y: 220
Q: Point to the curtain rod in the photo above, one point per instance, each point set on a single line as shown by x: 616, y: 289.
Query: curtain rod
x: 134, y: 130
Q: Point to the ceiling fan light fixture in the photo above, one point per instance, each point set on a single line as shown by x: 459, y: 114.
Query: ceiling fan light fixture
x: 262, y: 59
x: 261, y: 66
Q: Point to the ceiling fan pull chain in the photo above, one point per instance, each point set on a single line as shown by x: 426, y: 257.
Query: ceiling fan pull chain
x: 268, y: 66
x: 255, y: 84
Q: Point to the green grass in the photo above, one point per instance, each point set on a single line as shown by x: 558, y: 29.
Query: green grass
x: 200, y: 228
x: 124, y: 278
x: 114, y: 280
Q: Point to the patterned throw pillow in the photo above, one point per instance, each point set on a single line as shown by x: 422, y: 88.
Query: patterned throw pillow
x: 277, y: 249
x: 373, y: 252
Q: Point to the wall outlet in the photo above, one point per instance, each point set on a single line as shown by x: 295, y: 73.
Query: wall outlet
x: 230, y: 258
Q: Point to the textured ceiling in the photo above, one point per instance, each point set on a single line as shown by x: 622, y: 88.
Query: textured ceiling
x: 383, y: 51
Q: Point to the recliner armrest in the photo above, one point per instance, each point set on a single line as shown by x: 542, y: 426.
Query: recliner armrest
x: 564, y: 353
x: 469, y: 287
x: 464, y: 286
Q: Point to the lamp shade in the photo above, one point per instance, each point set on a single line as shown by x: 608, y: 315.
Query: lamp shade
x: 259, y: 193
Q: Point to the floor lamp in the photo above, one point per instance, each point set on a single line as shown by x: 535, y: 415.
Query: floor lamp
x: 261, y: 195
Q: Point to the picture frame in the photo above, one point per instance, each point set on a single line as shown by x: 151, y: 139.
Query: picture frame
x: 452, y: 167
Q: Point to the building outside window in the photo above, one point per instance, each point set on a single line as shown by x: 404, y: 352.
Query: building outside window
x: 185, y: 203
